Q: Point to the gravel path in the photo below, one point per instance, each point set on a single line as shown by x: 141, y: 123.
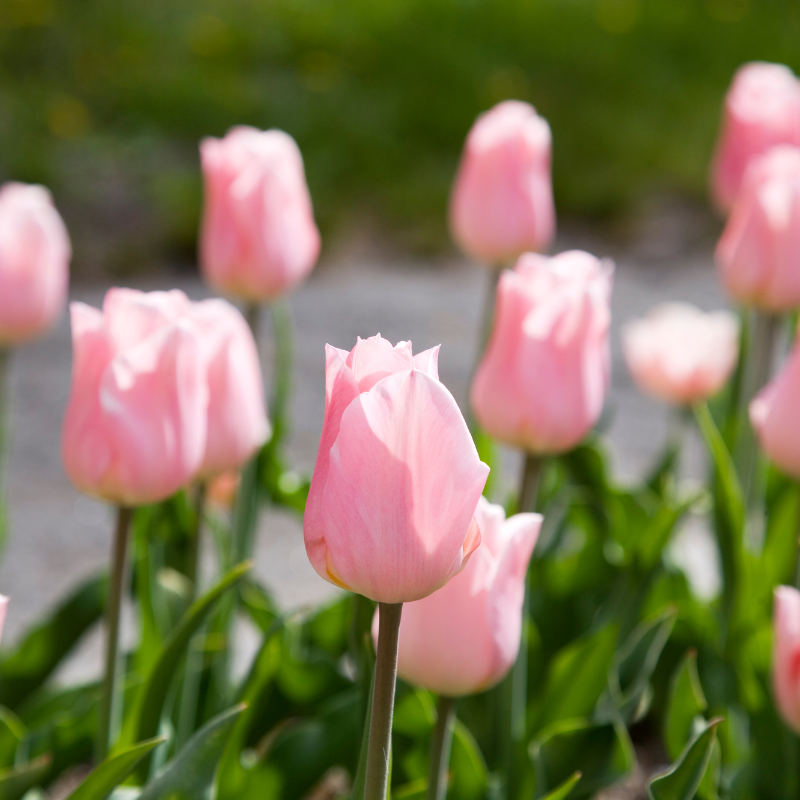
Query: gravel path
x: 57, y: 536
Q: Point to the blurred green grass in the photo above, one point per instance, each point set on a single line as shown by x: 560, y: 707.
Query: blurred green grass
x: 105, y: 101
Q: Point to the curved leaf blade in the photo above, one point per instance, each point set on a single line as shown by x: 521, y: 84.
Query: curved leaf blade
x: 565, y: 789
x: 16, y: 781
x: 102, y: 780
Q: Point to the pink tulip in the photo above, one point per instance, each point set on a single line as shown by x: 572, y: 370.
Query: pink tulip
x: 502, y: 202
x: 237, y: 421
x: 543, y: 379
x: 773, y: 414
x: 135, y: 425
x: 258, y: 237
x: 465, y: 637
x: 34, y: 262
x: 762, y: 109
x: 3, y: 611
x: 786, y: 654
x: 397, y: 478
x: 759, y: 252
x: 681, y: 354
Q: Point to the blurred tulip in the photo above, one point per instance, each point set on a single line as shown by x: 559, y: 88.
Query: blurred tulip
x: 397, y: 478
x: 762, y: 109
x: 786, y: 654
x: 774, y: 416
x: 223, y: 488
x: 3, y: 611
x: 237, y: 421
x: 34, y: 262
x: 502, y: 201
x: 464, y: 638
x: 680, y: 353
x: 258, y: 238
x: 542, y: 382
x: 759, y: 251
x: 135, y: 426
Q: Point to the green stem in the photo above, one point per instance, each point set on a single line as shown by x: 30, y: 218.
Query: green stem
x: 252, y: 314
x: 111, y: 697
x: 441, y: 739
x: 487, y: 316
x: 380, y: 729
x: 529, y: 484
x: 282, y: 374
x: 193, y: 556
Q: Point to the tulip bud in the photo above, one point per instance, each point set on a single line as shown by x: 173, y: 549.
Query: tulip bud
x: 502, y: 201
x: 34, y: 262
x: 762, y: 109
x: 397, y: 479
x: 773, y: 414
x: 681, y: 354
x: 542, y: 382
x: 759, y: 251
x: 237, y: 421
x: 786, y: 654
x: 464, y: 638
x: 258, y: 236
x: 135, y: 425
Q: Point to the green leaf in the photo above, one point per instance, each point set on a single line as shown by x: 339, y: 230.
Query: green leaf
x: 685, y: 702
x: 150, y: 699
x: 565, y: 789
x: 105, y: 777
x: 470, y: 777
x: 26, y: 669
x: 653, y: 539
x: 601, y: 752
x: 577, y: 676
x: 16, y: 781
x: 12, y: 732
x: 191, y: 772
x: 635, y: 662
x: 682, y: 780
x: 414, y: 713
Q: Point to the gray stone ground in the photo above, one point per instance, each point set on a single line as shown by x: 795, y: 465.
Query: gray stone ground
x: 57, y: 537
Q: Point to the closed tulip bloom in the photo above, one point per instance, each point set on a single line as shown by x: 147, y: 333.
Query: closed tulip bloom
x: 543, y: 379
x: 786, y: 654
x: 135, y: 426
x: 464, y: 638
x: 762, y: 109
x: 390, y: 513
x: 34, y: 262
x: 502, y: 201
x: 258, y: 237
x: 681, y: 354
x: 237, y: 421
x: 773, y: 414
x: 759, y: 252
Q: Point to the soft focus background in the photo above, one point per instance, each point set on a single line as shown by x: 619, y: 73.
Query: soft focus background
x: 105, y: 102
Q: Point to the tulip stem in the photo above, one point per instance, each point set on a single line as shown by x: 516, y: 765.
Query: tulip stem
x: 487, y: 317
x: 282, y: 373
x: 380, y: 729
x: 441, y: 739
x: 252, y: 314
x: 193, y: 555
x: 109, y: 705
x: 529, y: 485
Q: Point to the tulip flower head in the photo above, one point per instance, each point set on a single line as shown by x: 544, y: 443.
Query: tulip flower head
x: 681, y: 354
x: 135, y: 426
x: 34, y: 262
x: 390, y: 512
x: 258, y: 235
x: 759, y: 252
x: 502, y: 201
x: 465, y: 637
x: 773, y: 414
x: 786, y: 654
x: 762, y: 110
x: 543, y: 379
x: 3, y: 611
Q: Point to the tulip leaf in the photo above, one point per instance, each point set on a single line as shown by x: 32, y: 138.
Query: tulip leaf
x: 414, y: 713
x: 470, y: 777
x: 12, y: 732
x: 150, y: 699
x: 602, y: 752
x: 685, y: 703
x: 191, y: 772
x: 105, y: 777
x: 577, y: 676
x: 565, y: 789
x: 16, y: 781
x: 23, y: 671
x: 682, y: 780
